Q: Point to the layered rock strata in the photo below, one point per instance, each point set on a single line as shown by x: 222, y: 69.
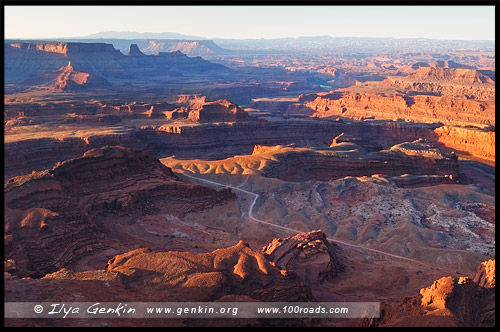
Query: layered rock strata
x: 217, y: 111
x: 236, y: 270
x: 233, y: 274
x: 32, y: 60
x: 50, y: 215
x: 348, y: 159
x: 310, y: 255
x: 67, y: 78
x: 418, y: 108
x: 210, y: 141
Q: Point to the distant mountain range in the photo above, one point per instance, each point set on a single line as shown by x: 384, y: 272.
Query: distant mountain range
x: 152, y: 43
x: 139, y: 35
x: 325, y: 42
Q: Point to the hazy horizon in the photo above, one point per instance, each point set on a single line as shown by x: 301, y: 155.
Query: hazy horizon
x: 254, y: 22
x: 208, y: 38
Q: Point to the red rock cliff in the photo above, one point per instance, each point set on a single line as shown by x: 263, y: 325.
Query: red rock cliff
x: 49, y: 215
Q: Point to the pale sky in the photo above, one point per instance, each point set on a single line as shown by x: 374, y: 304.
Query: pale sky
x: 434, y: 22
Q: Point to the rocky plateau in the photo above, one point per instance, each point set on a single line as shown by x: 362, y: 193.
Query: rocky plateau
x: 313, y: 169
x: 51, y: 216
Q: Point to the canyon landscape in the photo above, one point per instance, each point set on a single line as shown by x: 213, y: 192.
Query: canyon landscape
x: 171, y: 168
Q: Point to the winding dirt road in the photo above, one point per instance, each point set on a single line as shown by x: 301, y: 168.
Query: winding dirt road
x: 256, y: 196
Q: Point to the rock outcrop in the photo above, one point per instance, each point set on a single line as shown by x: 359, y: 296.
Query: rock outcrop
x: 50, y: 215
x: 365, y: 142
x: 472, y: 141
x: 310, y: 255
x: 349, y: 159
x: 66, y: 78
x: 188, y: 47
x: 65, y: 49
x: 441, y: 93
x: 236, y: 273
x: 217, y: 111
x: 418, y: 108
x: 450, y: 75
x: 485, y: 274
x: 134, y: 51
x: 468, y: 120
x: 451, y: 82
x: 236, y: 270
x: 152, y: 46
x: 258, y: 148
x: 447, y: 64
x: 467, y: 301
